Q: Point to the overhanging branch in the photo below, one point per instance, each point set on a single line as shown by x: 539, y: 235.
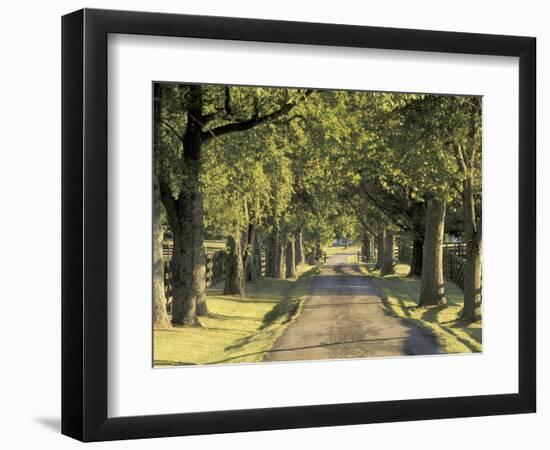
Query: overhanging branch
x: 254, y: 121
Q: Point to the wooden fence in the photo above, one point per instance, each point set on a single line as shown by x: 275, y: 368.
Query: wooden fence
x: 455, y: 248
x: 454, y: 261
x: 215, y: 266
x: 215, y: 271
x: 209, y: 247
x: 453, y: 268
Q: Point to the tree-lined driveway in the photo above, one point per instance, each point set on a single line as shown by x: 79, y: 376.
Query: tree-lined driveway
x: 344, y: 317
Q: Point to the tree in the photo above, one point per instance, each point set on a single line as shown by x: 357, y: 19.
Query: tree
x: 451, y: 128
x: 468, y: 151
x: 185, y: 217
x: 205, y: 113
x: 429, y: 168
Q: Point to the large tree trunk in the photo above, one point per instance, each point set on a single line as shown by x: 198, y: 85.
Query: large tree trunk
x: 290, y: 258
x: 472, y: 269
x: 160, y: 314
x: 188, y: 281
x: 234, y: 270
x: 186, y: 218
x: 299, y: 244
x: 432, y: 285
x: 380, y: 250
x: 418, y: 246
x: 389, y: 245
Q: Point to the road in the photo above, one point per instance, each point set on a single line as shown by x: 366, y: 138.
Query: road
x: 344, y: 317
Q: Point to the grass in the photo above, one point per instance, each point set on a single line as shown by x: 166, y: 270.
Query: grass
x: 401, y: 294
x: 332, y: 250
x: 239, y: 329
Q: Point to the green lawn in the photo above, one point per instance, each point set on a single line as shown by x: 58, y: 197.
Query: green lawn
x: 330, y: 250
x: 401, y: 295
x: 239, y: 329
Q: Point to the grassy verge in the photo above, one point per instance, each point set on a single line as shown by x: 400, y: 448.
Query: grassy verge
x: 239, y: 329
x: 400, y: 296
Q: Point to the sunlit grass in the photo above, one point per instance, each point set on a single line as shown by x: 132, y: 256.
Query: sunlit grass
x: 330, y: 250
x: 401, y: 296
x: 239, y: 329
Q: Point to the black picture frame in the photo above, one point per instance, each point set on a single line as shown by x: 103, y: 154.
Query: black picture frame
x: 84, y: 224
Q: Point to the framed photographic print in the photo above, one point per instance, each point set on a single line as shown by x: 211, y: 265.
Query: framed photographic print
x: 273, y: 224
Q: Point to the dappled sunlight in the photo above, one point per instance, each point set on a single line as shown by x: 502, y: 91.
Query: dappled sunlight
x: 401, y: 295
x: 238, y: 328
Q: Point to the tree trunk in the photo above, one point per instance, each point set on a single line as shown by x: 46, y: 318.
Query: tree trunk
x: 472, y: 268
x: 368, y: 248
x: 280, y: 259
x: 291, y: 258
x: 372, y: 247
x: 418, y: 246
x: 188, y: 281
x: 389, y: 245
x: 272, y: 254
x: 202, y: 308
x: 432, y: 284
x: 234, y: 270
x: 299, y: 249
x: 380, y: 252
x: 248, y: 253
x: 403, y: 250
x: 254, y: 266
x: 160, y: 314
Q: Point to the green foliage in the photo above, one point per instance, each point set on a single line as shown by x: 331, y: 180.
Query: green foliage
x: 339, y: 163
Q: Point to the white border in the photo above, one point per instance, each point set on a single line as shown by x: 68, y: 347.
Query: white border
x: 136, y: 389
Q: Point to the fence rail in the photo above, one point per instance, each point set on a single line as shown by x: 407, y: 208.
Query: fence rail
x: 210, y: 247
x: 455, y: 248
